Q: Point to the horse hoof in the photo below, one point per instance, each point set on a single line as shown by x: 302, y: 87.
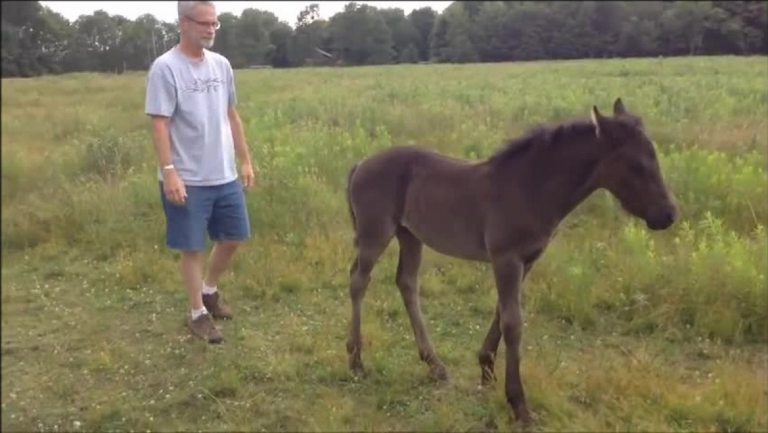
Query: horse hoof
x: 524, y: 419
x: 357, y: 369
x: 440, y: 373
x: 482, y: 390
x: 487, y: 379
x: 485, y: 385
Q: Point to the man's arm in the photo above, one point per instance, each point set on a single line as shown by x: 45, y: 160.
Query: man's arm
x: 172, y: 184
x: 247, y: 168
x: 159, y: 105
x: 162, y: 140
x: 238, y: 135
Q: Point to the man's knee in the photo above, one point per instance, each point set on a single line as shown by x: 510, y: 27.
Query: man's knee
x: 230, y: 244
x: 191, y: 255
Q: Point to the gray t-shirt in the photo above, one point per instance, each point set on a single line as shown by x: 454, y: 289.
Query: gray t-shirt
x: 196, y: 96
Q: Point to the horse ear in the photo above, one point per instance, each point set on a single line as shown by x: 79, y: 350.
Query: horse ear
x: 618, y: 108
x: 597, y: 120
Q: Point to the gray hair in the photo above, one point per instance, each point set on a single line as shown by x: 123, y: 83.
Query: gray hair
x: 186, y: 8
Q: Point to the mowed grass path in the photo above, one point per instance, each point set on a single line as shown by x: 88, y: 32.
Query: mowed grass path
x: 624, y: 329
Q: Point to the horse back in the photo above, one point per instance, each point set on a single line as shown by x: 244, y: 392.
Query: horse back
x: 438, y: 198
x: 377, y: 185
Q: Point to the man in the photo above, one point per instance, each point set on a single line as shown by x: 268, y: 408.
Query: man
x: 197, y: 131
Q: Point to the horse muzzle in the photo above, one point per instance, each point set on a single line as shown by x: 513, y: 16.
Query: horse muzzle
x: 662, y: 219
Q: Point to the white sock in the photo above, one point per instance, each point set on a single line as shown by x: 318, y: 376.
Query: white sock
x: 208, y: 290
x: 198, y: 313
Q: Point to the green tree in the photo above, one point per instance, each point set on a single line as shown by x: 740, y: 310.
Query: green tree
x: 402, y: 30
x: 423, y: 20
x: 409, y: 55
x: 360, y: 36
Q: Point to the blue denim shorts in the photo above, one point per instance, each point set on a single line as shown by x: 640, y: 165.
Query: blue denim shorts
x: 219, y: 210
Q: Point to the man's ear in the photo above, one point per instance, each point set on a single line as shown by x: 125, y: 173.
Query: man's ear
x: 618, y: 108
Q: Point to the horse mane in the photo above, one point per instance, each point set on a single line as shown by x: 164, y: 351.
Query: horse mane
x: 544, y: 137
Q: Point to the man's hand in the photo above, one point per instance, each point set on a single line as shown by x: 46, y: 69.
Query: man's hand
x: 248, y: 175
x: 173, y: 187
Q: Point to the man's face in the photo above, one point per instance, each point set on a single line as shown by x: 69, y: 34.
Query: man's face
x: 200, y: 25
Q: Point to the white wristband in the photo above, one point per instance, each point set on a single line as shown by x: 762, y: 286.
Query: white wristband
x: 168, y: 167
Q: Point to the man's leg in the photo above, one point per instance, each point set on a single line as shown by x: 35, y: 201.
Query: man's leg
x: 191, y: 268
x: 219, y: 260
x: 229, y: 227
x: 185, y: 232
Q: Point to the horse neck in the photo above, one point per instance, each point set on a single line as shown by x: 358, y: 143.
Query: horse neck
x: 558, y: 179
x: 570, y: 180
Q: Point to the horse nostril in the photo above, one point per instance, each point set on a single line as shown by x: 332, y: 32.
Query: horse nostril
x: 663, y: 219
x: 672, y: 215
x: 668, y: 217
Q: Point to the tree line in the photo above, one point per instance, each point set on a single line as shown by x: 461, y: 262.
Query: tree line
x: 37, y: 40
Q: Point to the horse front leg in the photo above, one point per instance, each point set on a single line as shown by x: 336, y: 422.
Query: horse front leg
x: 508, y: 273
x: 486, y: 356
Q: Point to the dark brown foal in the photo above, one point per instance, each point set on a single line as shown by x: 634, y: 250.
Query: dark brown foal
x: 503, y: 210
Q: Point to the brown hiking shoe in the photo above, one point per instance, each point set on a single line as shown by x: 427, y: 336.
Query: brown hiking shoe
x: 204, y: 328
x: 215, y: 307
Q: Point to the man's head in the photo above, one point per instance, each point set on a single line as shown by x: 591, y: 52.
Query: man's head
x: 198, y: 23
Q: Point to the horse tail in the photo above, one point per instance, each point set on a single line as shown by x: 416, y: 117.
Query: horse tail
x: 349, y: 200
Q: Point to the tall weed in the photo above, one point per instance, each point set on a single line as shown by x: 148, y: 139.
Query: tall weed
x: 731, y: 187
x: 107, y: 153
x: 707, y: 282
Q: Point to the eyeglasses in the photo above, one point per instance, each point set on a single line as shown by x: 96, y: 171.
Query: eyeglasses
x: 215, y: 24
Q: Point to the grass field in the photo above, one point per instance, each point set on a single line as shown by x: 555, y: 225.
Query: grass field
x: 624, y: 329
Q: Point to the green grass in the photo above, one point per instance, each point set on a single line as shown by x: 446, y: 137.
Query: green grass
x: 625, y: 329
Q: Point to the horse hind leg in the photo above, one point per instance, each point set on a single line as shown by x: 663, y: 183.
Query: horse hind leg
x: 487, y: 354
x: 369, y: 249
x: 407, y: 281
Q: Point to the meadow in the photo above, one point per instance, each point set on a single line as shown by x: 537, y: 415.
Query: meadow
x: 625, y: 329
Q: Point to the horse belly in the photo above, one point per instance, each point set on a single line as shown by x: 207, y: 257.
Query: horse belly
x: 448, y: 233
x: 457, y: 248
x: 441, y: 207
